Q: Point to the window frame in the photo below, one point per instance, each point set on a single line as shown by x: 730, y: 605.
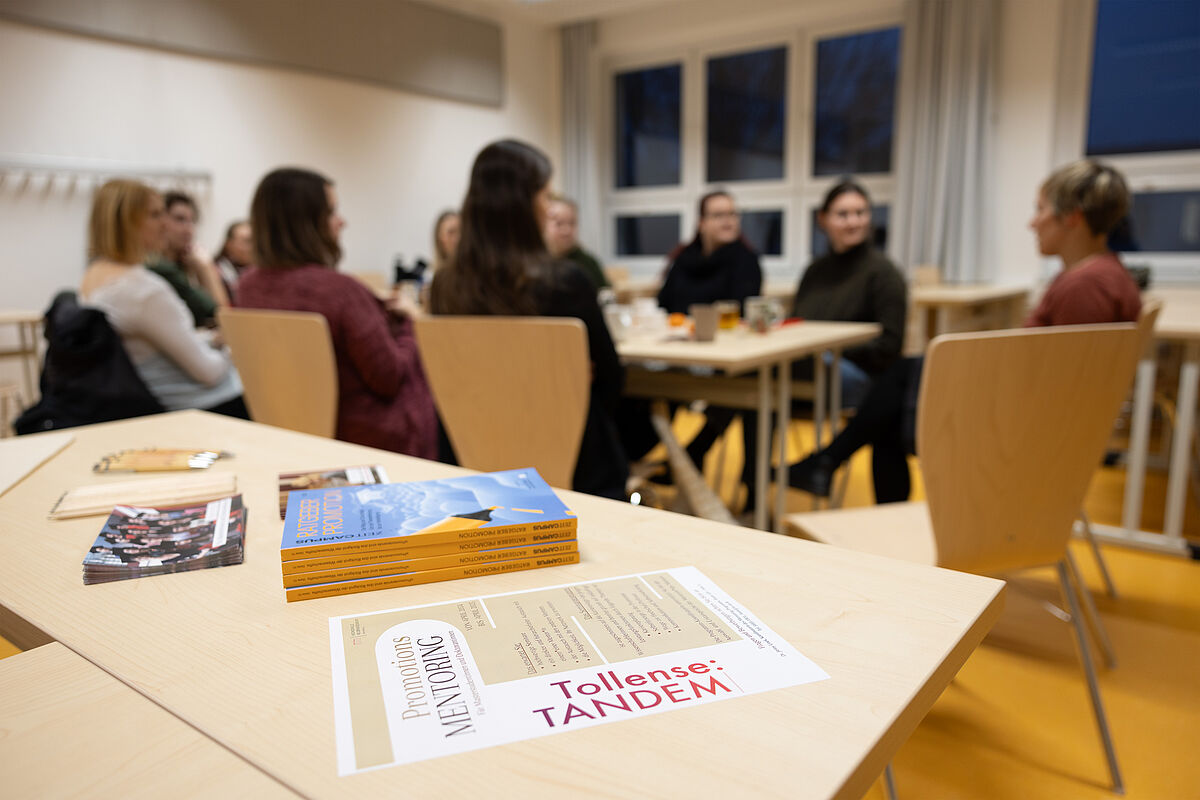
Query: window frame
x: 1144, y: 172
x: 792, y: 195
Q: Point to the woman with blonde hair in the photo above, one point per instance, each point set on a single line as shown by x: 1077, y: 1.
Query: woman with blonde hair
x: 181, y: 367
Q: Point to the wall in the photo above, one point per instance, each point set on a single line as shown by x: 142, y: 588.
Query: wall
x: 397, y: 158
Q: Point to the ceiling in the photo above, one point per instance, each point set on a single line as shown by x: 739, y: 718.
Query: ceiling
x: 550, y: 12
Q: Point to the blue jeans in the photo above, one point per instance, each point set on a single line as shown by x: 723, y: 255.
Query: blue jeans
x: 855, y: 382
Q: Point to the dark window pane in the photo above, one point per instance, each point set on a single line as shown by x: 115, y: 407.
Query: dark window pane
x: 747, y: 115
x: 879, y: 223
x: 764, y: 231
x: 647, y: 136
x: 1160, y: 222
x: 856, y: 101
x: 1145, y: 77
x: 647, y: 234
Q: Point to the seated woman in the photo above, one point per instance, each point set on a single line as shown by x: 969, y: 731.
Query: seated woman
x: 383, y: 397
x: 181, y: 367
x: 854, y: 282
x: 502, y: 267
x: 235, y: 255
x: 1077, y: 207
x: 716, y: 265
x: 445, y: 239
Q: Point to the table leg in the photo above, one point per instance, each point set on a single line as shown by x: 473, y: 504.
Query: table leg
x: 1181, y: 443
x: 29, y: 357
x: 835, y: 408
x: 1139, y: 444
x: 818, y: 409
x: 761, y: 469
x: 783, y: 413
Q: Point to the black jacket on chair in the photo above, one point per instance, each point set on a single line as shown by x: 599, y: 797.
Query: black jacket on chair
x: 87, y: 376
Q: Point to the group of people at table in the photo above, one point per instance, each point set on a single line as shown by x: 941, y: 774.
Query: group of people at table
x: 511, y: 250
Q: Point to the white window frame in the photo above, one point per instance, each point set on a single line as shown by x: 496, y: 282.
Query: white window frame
x: 794, y: 195
x: 1145, y: 172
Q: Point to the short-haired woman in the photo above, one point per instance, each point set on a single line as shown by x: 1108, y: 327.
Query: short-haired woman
x: 1076, y: 208
x: 383, y: 397
x: 179, y: 365
x: 502, y: 267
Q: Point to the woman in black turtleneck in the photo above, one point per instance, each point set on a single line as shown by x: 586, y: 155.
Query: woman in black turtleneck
x: 854, y: 282
x: 717, y: 265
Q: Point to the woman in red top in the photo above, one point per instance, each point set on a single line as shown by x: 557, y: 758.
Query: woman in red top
x: 1077, y: 207
x: 383, y: 397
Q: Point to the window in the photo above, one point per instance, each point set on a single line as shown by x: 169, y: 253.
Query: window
x: 1145, y: 91
x: 1160, y: 222
x: 772, y: 117
x: 746, y: 121
x: 647, y: 234
x: 879, y: 224
x: 647, y: 119
x: 856, y: 102
x: 764, y: 231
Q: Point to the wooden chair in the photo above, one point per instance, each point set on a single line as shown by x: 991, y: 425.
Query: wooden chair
x: 512, y: 392
x: 1010, y: 427
x: 287, y: 366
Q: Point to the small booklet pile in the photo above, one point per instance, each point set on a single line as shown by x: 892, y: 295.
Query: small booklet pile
x: 138, y: 542
x: 326, y: 479
x: 362, y: 538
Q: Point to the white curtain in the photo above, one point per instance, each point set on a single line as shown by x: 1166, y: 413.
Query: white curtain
x: 942, y: 167
x: 577, y: 172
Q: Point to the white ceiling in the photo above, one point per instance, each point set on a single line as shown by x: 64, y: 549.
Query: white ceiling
x: 550, y: 12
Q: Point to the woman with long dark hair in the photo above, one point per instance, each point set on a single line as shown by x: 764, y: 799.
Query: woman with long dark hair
x: 502, y: 267
x: 383, y: 397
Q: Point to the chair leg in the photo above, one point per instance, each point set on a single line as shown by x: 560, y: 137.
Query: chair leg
x: 1089, y: 670
x: 889, y: 782
x: 1095, y: 624
x: 1109, y: 586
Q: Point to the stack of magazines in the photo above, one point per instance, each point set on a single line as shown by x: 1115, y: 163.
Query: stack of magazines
x: 137, y: 542
x: 360, y: 538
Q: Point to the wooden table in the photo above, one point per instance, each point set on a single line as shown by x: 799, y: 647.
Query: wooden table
x: 69, y: 729
x: 955, y: 308
x: 742, y: 351
x: 27, y: 323
x: 1178, y: 322
x: 221, y: 650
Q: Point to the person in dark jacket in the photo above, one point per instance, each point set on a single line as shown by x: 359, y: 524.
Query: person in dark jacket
x: 716, y: 265
x: 502, y: 267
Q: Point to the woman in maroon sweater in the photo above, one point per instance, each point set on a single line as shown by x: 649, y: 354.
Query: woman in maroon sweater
x: 383, y: 397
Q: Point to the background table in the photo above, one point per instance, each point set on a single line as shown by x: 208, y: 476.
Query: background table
x: 955, y: 308
x: 220, y: 648
x: 742, y: 351
x: 26, y: 323
x: 1178, y: 322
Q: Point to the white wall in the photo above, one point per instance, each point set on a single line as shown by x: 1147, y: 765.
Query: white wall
x: 397, y: 158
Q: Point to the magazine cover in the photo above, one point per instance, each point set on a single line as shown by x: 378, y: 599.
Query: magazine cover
x: 137, y: 542
x: 463, y: 509
x: 434, y: 680
x: 327, y: 479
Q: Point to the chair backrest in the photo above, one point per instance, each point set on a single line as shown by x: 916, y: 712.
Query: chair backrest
x: 512, y: 392
x: 926, y: 275
x: 287, y: 366
x: 1011, y: 426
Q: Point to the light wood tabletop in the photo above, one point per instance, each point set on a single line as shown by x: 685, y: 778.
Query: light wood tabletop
x: 72, y: 730
x: 740, y: 351
x: 222, y: 650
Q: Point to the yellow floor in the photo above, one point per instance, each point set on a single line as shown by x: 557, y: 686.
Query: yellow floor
x: 1016, y: 722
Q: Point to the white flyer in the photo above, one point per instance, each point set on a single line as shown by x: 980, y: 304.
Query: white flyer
x: 416, y: 683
